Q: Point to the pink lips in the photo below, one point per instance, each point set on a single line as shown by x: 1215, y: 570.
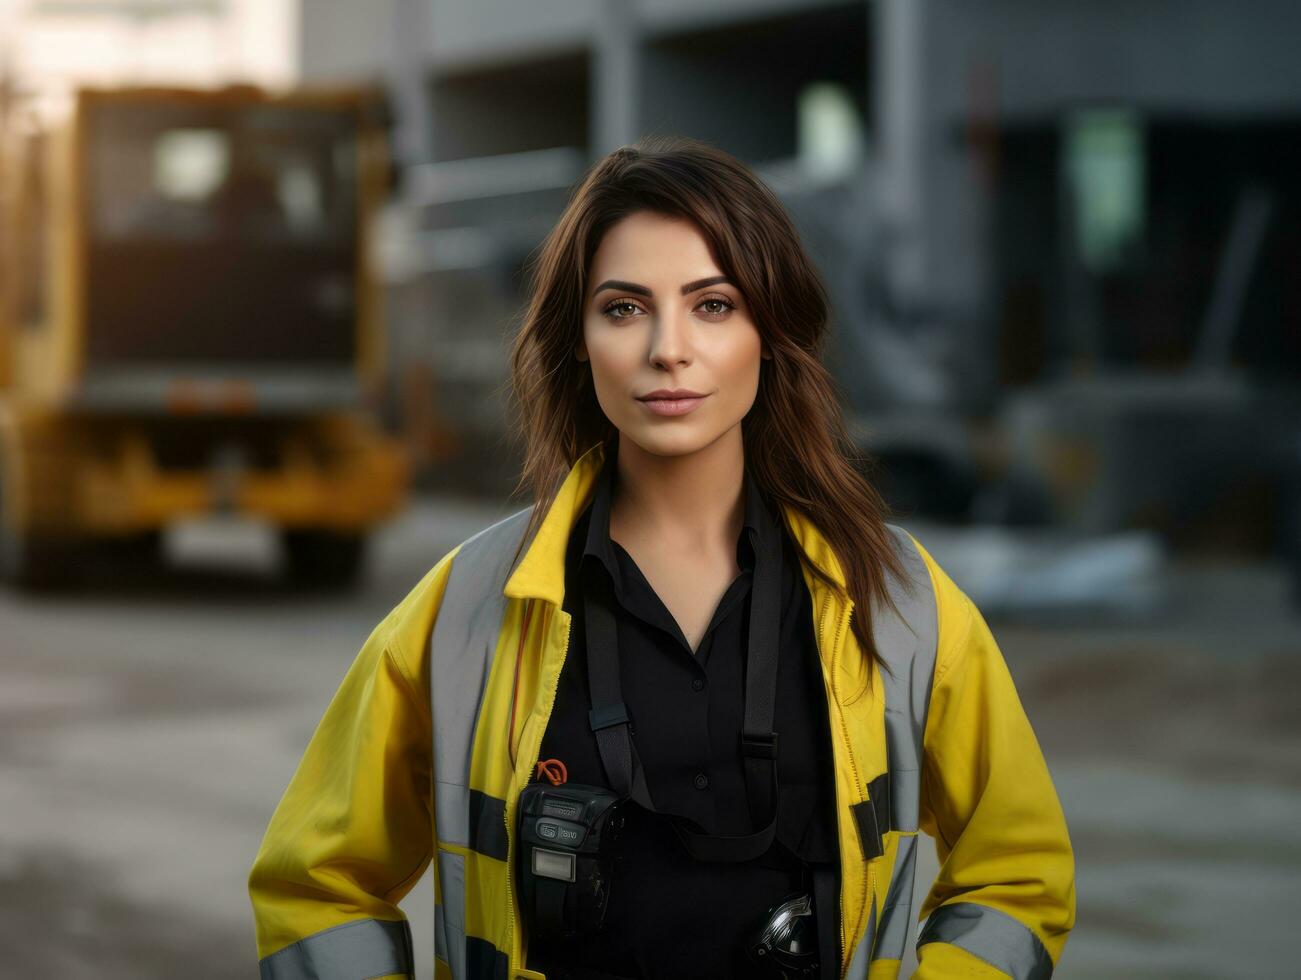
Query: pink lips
x: 672, y: 406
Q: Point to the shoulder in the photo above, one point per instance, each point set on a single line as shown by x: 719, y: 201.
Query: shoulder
x: 480, y: 562
x: 952, y: 609
x: 476, y: 567
x: 492, y: 549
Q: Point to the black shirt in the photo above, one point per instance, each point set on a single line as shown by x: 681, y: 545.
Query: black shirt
x: 669, y: 915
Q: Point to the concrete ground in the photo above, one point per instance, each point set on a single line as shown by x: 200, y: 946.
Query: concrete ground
x: 148, y: 724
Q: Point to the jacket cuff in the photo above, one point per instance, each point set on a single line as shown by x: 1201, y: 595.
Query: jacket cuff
x: 990, y: 935
x: 362, y: 948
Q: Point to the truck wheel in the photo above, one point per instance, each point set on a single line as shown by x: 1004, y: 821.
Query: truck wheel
x: 323, y: 559
x: 29, y: 561
x: 142, y: 548
x: 35, y: 563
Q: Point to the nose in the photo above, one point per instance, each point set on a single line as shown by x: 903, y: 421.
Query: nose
x: 670, y: 340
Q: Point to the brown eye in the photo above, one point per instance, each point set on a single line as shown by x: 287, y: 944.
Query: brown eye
x: 618, y: 305
x: 722, y: 306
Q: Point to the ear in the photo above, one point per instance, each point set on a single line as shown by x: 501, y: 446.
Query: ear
x: 765, y: 353
x: 580, y: 351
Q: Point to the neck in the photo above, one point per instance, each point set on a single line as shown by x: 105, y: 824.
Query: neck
x: 692, y: 503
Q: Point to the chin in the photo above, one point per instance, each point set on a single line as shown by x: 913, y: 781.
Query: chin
x: 664, y: 443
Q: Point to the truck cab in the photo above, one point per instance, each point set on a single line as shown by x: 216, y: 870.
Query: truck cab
x: 190, y: 324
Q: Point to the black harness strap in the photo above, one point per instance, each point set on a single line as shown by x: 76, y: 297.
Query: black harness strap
x: 610, y: 721
x: 826, y: 912
x: 608, y: 717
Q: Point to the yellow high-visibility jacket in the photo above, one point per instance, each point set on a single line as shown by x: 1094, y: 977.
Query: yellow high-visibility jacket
x: 412, y: 763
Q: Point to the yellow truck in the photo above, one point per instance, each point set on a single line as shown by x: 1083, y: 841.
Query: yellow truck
x: 189, y: 325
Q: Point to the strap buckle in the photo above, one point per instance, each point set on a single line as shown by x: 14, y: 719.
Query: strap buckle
x: 608, y: 715
x: 759, y: 745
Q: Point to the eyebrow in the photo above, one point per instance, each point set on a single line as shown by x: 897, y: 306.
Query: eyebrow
x: 632, y: 287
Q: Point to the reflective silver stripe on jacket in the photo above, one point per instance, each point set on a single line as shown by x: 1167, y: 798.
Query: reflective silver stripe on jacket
x: 461, y: 648
x: 896, y: 916
x: 908, y: 646
x: 907, y: 643
x: 858, y: 962
x: 364, y: 948
x: 449, y: 919
x: 992, y: 936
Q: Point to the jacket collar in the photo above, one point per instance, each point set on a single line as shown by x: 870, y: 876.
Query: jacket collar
x: 540, y: 571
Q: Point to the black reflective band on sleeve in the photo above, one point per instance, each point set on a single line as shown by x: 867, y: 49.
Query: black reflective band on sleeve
x: 873, y: 816
x: 365, y: 948
x: 484, y: 961
x: 869, y: 831
x: 990, y: 935
x: 488, y: 825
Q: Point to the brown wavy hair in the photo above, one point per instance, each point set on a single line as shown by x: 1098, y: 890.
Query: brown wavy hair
x: 795, y: 442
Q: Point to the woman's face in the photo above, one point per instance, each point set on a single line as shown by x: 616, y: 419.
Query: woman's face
x: 659, y: 314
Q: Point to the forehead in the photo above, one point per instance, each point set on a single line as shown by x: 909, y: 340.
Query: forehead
x: 653, y: 248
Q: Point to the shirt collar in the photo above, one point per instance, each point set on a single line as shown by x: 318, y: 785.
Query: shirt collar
x: 757, y: 525
x: 533, y: 575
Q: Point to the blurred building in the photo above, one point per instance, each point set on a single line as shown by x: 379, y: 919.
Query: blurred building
x: 1059, y: 237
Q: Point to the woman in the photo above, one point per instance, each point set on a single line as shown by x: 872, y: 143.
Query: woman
x: 598, y: 642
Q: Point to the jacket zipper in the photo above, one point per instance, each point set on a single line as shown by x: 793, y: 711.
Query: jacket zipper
x: 849, y: 754
x: 513, y: 802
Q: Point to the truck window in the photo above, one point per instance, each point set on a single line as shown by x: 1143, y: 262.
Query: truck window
x: 221, y: 235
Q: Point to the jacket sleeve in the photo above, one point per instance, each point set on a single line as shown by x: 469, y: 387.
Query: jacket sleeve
x: 352, y: 833
x: 1004, y: 899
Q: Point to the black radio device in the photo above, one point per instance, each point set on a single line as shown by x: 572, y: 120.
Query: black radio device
x: 568, y: 842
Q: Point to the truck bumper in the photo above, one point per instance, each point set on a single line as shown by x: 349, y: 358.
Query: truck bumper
x: 351, y: 491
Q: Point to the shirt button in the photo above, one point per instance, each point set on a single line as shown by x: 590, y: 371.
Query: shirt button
x: 701, y: 780
x: 697, y: 685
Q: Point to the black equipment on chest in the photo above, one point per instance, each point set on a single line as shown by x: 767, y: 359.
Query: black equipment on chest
x: 568, y: 833
x: 567, y: 845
